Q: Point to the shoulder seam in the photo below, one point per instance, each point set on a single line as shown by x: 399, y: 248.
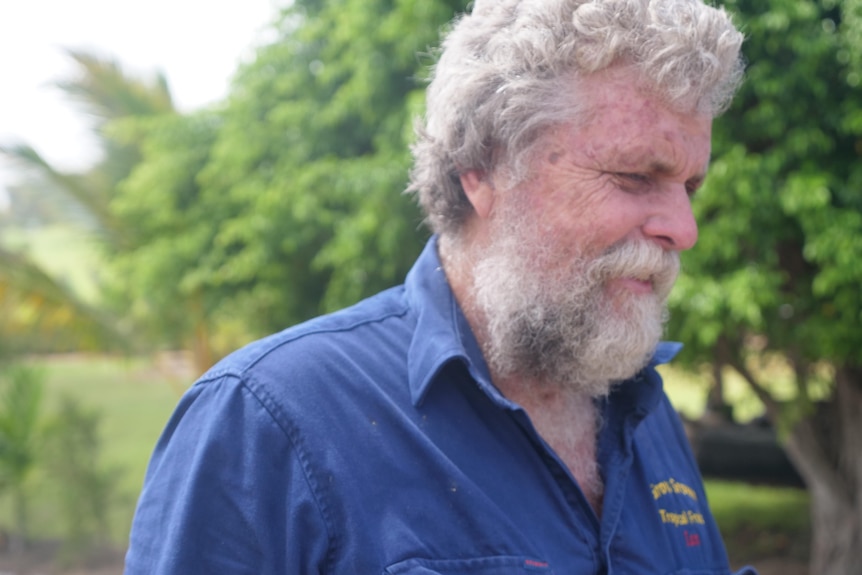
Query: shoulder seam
x: 296, y: 333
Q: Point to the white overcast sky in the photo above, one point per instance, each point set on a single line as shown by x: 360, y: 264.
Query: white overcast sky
x: 196, y: 43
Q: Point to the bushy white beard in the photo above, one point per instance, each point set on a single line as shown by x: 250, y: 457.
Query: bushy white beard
x: 558, y: 324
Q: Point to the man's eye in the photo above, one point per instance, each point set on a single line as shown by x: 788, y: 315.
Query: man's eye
x: 693, y: 185
x: 640, y: 178
x: 632, y: 182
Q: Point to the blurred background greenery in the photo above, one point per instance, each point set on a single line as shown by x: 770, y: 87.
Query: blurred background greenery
x: 198, y: 232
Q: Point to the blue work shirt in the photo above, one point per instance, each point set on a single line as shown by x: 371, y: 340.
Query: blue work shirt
x: 372, y: 441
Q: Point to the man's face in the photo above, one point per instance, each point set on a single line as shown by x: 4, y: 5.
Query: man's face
x: 582, y: 255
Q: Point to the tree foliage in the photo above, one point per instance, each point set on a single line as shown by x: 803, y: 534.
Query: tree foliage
x: 20, y: 403
x: 72, y: 457
x: 778, y: 267
x: 38, y: 304
x: 286, y: 201
x: 107, y: 95
x: 782, y: 213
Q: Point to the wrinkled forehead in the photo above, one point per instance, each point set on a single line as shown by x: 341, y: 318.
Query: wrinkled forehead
x: 593, y: 94
x: 618, y: 117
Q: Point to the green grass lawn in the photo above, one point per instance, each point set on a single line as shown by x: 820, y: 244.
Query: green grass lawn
x: 133, y: 397
x: 760, y: 522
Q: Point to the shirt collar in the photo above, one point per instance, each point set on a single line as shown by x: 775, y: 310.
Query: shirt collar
x: 443, y: 335
x: 641, y: 394
x: 665, y: 352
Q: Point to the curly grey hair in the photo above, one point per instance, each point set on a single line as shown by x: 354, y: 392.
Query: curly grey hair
x: 506, y: 70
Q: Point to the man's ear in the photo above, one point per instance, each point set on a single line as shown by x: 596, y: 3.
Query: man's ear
x: 479, y: 190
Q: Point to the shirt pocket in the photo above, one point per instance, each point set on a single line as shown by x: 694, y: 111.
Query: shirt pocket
x: 497, y: 565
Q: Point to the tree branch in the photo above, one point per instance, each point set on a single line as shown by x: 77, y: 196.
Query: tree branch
x: 773, y: 409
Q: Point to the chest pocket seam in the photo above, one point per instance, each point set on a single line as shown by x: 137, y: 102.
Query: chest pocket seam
x: 489, y: 565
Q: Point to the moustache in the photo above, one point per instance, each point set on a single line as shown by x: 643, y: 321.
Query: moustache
x: 640, y: 260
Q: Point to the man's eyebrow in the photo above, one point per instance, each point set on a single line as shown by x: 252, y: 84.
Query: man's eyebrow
x: 660, y: 168
x: 651, y: 163
x: 642, y: 158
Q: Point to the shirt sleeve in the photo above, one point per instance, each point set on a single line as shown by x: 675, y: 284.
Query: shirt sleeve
x: 227, y: 492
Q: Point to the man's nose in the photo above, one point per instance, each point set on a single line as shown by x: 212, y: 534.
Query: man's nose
x: 671, y: 221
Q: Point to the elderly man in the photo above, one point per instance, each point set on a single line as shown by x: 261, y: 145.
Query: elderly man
x: 500, y: 412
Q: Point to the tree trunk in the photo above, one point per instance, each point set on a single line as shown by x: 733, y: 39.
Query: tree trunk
x: 836, y: 547
x: 18, y: 542
x: 202, y: 350
x: 827, y: 450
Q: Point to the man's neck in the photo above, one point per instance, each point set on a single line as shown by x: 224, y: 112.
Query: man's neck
x: 568, y: 421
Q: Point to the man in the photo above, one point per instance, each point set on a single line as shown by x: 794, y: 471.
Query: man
x: 500, y: 412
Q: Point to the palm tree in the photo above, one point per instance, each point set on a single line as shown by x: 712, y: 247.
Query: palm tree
x: 37, y: 308
x: 108, y: 95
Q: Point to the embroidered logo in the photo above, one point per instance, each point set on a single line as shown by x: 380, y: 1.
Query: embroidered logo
x: 671, y: 486
x: 679, y: 518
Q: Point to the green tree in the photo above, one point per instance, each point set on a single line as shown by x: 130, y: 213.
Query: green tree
x: 777, y: 272
x: 109, y: 96
x: 87, y: 489
x: 20, y: 404
x: 292, y: 190
x: 158, y: 268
